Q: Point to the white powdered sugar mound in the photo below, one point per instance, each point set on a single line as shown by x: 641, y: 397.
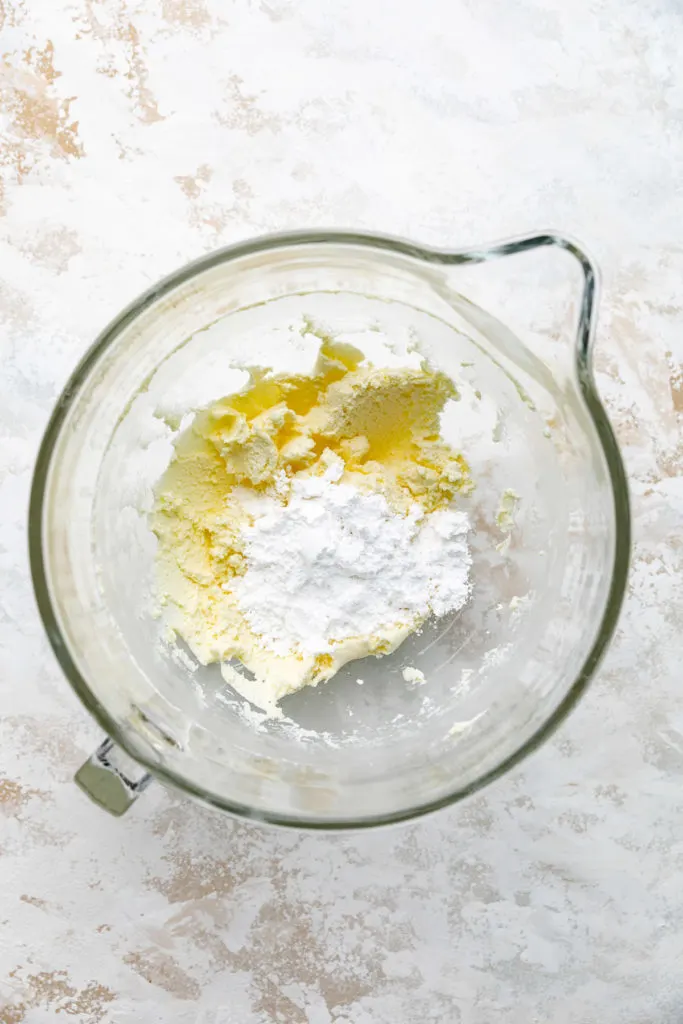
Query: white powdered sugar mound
x: 336, y: 563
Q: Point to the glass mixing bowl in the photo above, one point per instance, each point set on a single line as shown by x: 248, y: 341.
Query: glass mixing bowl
x: 550, y: 540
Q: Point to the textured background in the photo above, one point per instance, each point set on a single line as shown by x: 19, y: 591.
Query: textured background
x: 137, y: 135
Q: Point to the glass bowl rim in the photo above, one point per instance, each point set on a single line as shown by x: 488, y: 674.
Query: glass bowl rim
x: 445, y: 257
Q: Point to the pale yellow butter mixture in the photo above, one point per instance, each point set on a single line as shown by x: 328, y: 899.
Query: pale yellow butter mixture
x: 383, y: 424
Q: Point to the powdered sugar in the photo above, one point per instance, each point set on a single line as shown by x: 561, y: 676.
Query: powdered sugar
x: 335, y: 563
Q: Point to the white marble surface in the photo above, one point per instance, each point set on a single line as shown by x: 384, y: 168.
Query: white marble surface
x: 140, y: 133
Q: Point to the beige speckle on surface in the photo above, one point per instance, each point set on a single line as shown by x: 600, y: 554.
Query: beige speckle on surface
x: 136, y: 135
x: 14, y: 796
x: 49, y: 993
x: 191, y: 13
x: 161, y: 970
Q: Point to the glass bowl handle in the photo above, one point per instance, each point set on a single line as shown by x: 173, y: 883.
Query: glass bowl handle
x: 112, y: 779
x: 586, y: 322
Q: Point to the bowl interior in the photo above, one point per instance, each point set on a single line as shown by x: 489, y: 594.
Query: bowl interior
x: 367, y: 745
